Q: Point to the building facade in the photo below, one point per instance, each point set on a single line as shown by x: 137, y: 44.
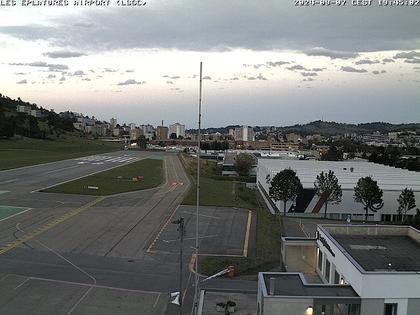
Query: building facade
x: 177, y: 129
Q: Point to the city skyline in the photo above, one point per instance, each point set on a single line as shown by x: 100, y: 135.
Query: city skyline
x: 261, y: 65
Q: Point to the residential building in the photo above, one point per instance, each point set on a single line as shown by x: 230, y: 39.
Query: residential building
x: 244, y: 133
x: 162, y: 132
x: 177, y: 129
x: 113, y: 123
x: 346, y: 269
x: 135, y: 133
x: 293, y: 137
x: 23, y: 109
x: 148, y: 131
x: 390, y: 179
x: 36, y: 113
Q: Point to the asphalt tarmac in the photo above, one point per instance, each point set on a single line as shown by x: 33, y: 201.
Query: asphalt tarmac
x: 75, y: 254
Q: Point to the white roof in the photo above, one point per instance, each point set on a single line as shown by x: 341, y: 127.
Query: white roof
x: 388, y: 178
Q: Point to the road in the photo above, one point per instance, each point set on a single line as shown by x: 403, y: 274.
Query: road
x: 75, y: 254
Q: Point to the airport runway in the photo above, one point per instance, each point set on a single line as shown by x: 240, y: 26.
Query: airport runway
x: 74, y: 254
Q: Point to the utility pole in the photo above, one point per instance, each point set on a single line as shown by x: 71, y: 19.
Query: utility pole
x: 197, y: 245
x: 181, y: 231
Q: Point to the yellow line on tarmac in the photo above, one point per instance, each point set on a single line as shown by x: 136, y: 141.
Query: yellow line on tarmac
x: 248, y: 227
x: 27, y: 237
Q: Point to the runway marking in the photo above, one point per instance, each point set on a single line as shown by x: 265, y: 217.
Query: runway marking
x: 156, y: 301
x: 248, y: 227
x: 161, y: 230
x: 9, y: 181
x: 26, y: 280
x: 29, y: 236
x: 202, y: 215
x: 79, y: 301
x: 191, y: 238
x: 4, y: 191
x: 60, y: 169
x: 93, y: 173
x: 93, y: 285
x: 16, y: 214
x: 4, y: 277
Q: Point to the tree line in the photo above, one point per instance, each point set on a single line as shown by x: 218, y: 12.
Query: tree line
x: 286, y: 186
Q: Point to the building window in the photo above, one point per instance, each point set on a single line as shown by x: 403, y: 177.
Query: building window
x: 327, y: 270
x: 319, y: 260
x: 390, y: 309
x: 336, y: 277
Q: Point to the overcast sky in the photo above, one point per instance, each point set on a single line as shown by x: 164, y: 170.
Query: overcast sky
x: 265, y: 62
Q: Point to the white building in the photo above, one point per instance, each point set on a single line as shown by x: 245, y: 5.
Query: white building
x: 361, y: 269
x: 113, y: 123
x: 177, y: 129
x: 244, y: 133
x: 390, y: 179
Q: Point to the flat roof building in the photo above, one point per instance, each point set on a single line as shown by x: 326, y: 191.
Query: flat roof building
x: 361, y: 269
x: 390, y: 179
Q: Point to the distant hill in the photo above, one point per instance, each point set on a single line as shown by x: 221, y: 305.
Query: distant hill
x: 328, y: 128
x: 47, y: 124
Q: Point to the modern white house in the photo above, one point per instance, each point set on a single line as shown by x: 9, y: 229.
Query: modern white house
x: 347, y: 269
x: 390, y: 179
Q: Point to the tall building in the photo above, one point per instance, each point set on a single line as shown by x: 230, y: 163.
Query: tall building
x: 244, y: 133
x: 162, y: 132
x: 113, y: 122
x: 132, y: 126
x: 177, y: 129
x: 148, y: 131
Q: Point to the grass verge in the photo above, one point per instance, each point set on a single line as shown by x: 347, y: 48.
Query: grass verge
x: 117, y: 180
x: 23, y: 151
x: 213, y: 191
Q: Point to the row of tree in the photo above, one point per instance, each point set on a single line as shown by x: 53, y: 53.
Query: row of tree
x: 286, y: 186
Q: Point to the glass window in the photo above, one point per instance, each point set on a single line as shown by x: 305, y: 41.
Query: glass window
x: 327, y: 270
x: 336, y: 277
x: 319, y: 260
x: 390, y: 309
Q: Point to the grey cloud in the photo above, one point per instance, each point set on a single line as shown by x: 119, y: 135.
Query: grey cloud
x: 223, y: 25
x: 318, y: 69
x: 276, y: 63
x: 308, y: 79
x: 414, y: 60
x: 79, y: 73
x: 42, y: 64
x: 366, y: 62
x: 309, y: 74
x: 86, y: 79
x: 175, y: 77
x: 20, y: 73
x: 129, y: 70
x: 110, y: 70
x: 376, y: 72
x: 351, y: 69
x: 259, y: 77
x: 24, y: 81
x: 206, y: 77
x: 64, y: 54
x: 297, y: 67
x: 169, y: 82
x: 130, y: 82
x: 407, y: 55
x: 62, y: 79
x: 234, y: 79
x: 51, y: 76
x: 333, y: 54
x: 387, y: 60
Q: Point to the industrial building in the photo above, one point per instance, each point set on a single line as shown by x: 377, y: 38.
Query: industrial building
x: 360, y: 270
x: 390, y: 179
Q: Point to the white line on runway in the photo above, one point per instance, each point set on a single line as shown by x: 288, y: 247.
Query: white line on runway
x: 191, y: 238
x: 202, y: 215
x: 9, y: 181
x: 16, y: 214
x: 27, y: 279
x: 60, y: 169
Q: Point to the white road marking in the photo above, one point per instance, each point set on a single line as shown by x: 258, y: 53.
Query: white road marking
x: 9, y: 181
x: 61, y: 169
x: 26, y: 280
x: 16, y: 214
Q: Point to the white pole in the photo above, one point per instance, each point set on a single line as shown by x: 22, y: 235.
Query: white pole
x: 198, y: 193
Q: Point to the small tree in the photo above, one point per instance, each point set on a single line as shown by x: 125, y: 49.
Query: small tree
x: 244, y: 163
x: 327, y: 187
x: 406, y: 202
x: 369, y: 194
x: 285, y: 186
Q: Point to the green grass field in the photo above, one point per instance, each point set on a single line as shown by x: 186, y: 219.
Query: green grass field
x: 216, y: 192
x: 27, y: 151
x: 117, y: 180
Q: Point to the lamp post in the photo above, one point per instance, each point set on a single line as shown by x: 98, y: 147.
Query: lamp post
x: 180, y: 223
